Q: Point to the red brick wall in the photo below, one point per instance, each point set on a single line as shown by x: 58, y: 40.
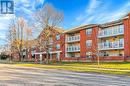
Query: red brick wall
x: 61, y: 41
x: 83, y: 43
x: 110, y: 58
x: 94, y: 39
x: 127, y: 36
x: 84, y: 37
x: 62, y: 46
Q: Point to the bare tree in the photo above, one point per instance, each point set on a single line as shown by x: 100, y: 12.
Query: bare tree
x: 28, y: 43
x: 18, y: 35
x: 47, y: 19
x: 11, y: 38
x: 96, y: 52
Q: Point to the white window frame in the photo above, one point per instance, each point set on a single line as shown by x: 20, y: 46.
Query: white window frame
x: 58, y: 37
x: 88, y: 43
x: 58, y: 46
x: 89, y: 31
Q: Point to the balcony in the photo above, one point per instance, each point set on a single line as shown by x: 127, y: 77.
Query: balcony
x: 111, y: 32
x: 111, y: 45
x: 73, y: 38
x: 73, y: 49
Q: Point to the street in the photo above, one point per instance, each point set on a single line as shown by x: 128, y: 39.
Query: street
x: 11, y: 75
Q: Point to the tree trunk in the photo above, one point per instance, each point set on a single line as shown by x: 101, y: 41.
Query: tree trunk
x: 47, y: 57
x: 26, y: 56
x: 19, y: 56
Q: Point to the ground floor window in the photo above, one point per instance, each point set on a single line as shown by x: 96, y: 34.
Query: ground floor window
x: 112, y: 53
x: 89, y: 54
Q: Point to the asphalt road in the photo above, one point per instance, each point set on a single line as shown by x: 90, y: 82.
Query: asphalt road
x: 23, y: 76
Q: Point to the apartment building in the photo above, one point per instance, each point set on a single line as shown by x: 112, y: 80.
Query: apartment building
x: 111, y: 40
x: 107, y: 42
x: 55, y: 45
x: 78, y: 42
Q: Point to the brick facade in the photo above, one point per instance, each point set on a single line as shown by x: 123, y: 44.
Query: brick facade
x: 115, y: 53
x: 73, y: 42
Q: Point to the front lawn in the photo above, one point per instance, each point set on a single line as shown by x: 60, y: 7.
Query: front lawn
x: 109, y: 68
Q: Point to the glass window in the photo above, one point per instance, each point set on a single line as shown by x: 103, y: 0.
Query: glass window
x: 58, y: 46
x: 121, y: 26
x: 110, y: 31
x: 115, y: 30
x: 121, y: 29
x: 72, y: 55
x: 67, y: 49
x: 89, y: 31
x: 69, y: 38
x: 88, y: 54
x: 121, y: 42
x: 88, y: 43
x: 78, y: 37
x: 72, y: 37
x: 57, y: 37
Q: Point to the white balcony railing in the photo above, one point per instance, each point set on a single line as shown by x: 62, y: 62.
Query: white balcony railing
x: 73, y: 38
x: 111, y: 32
x: 111, y: 45
x: 73, y: 48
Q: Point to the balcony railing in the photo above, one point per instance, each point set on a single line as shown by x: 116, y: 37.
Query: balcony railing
x: 111, y: 32
x: 111, y: 45
x: 73, y: 48
x: 73, y: 38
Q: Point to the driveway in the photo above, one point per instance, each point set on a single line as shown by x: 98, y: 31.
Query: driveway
x: 11, y: 75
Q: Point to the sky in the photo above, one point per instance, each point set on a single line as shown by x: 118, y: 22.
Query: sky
x: 76, y: 12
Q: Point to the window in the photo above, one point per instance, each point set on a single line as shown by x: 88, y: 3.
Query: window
x: 122, y: 26
x: 50, y: 41
x: 116, y: 29
x: 89, y: 31
x: 121, y: 29
x: 72, y: 37
x: 58, y: 46
x: 89, y: 43
x: 57, y: 37
x: 72, y: 55
x: 78, y: 37
x: 88, y: 54
x: 69, y: 38
x: 121, y: 42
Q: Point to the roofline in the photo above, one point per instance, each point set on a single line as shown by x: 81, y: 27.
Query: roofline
x: 125, y: 16
x: 55, y: 28
x: 116, y: 22
x: 112, y: 23
x: 80, y: 28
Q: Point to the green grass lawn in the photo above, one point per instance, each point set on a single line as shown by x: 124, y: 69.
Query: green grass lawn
x: 109, y: 68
